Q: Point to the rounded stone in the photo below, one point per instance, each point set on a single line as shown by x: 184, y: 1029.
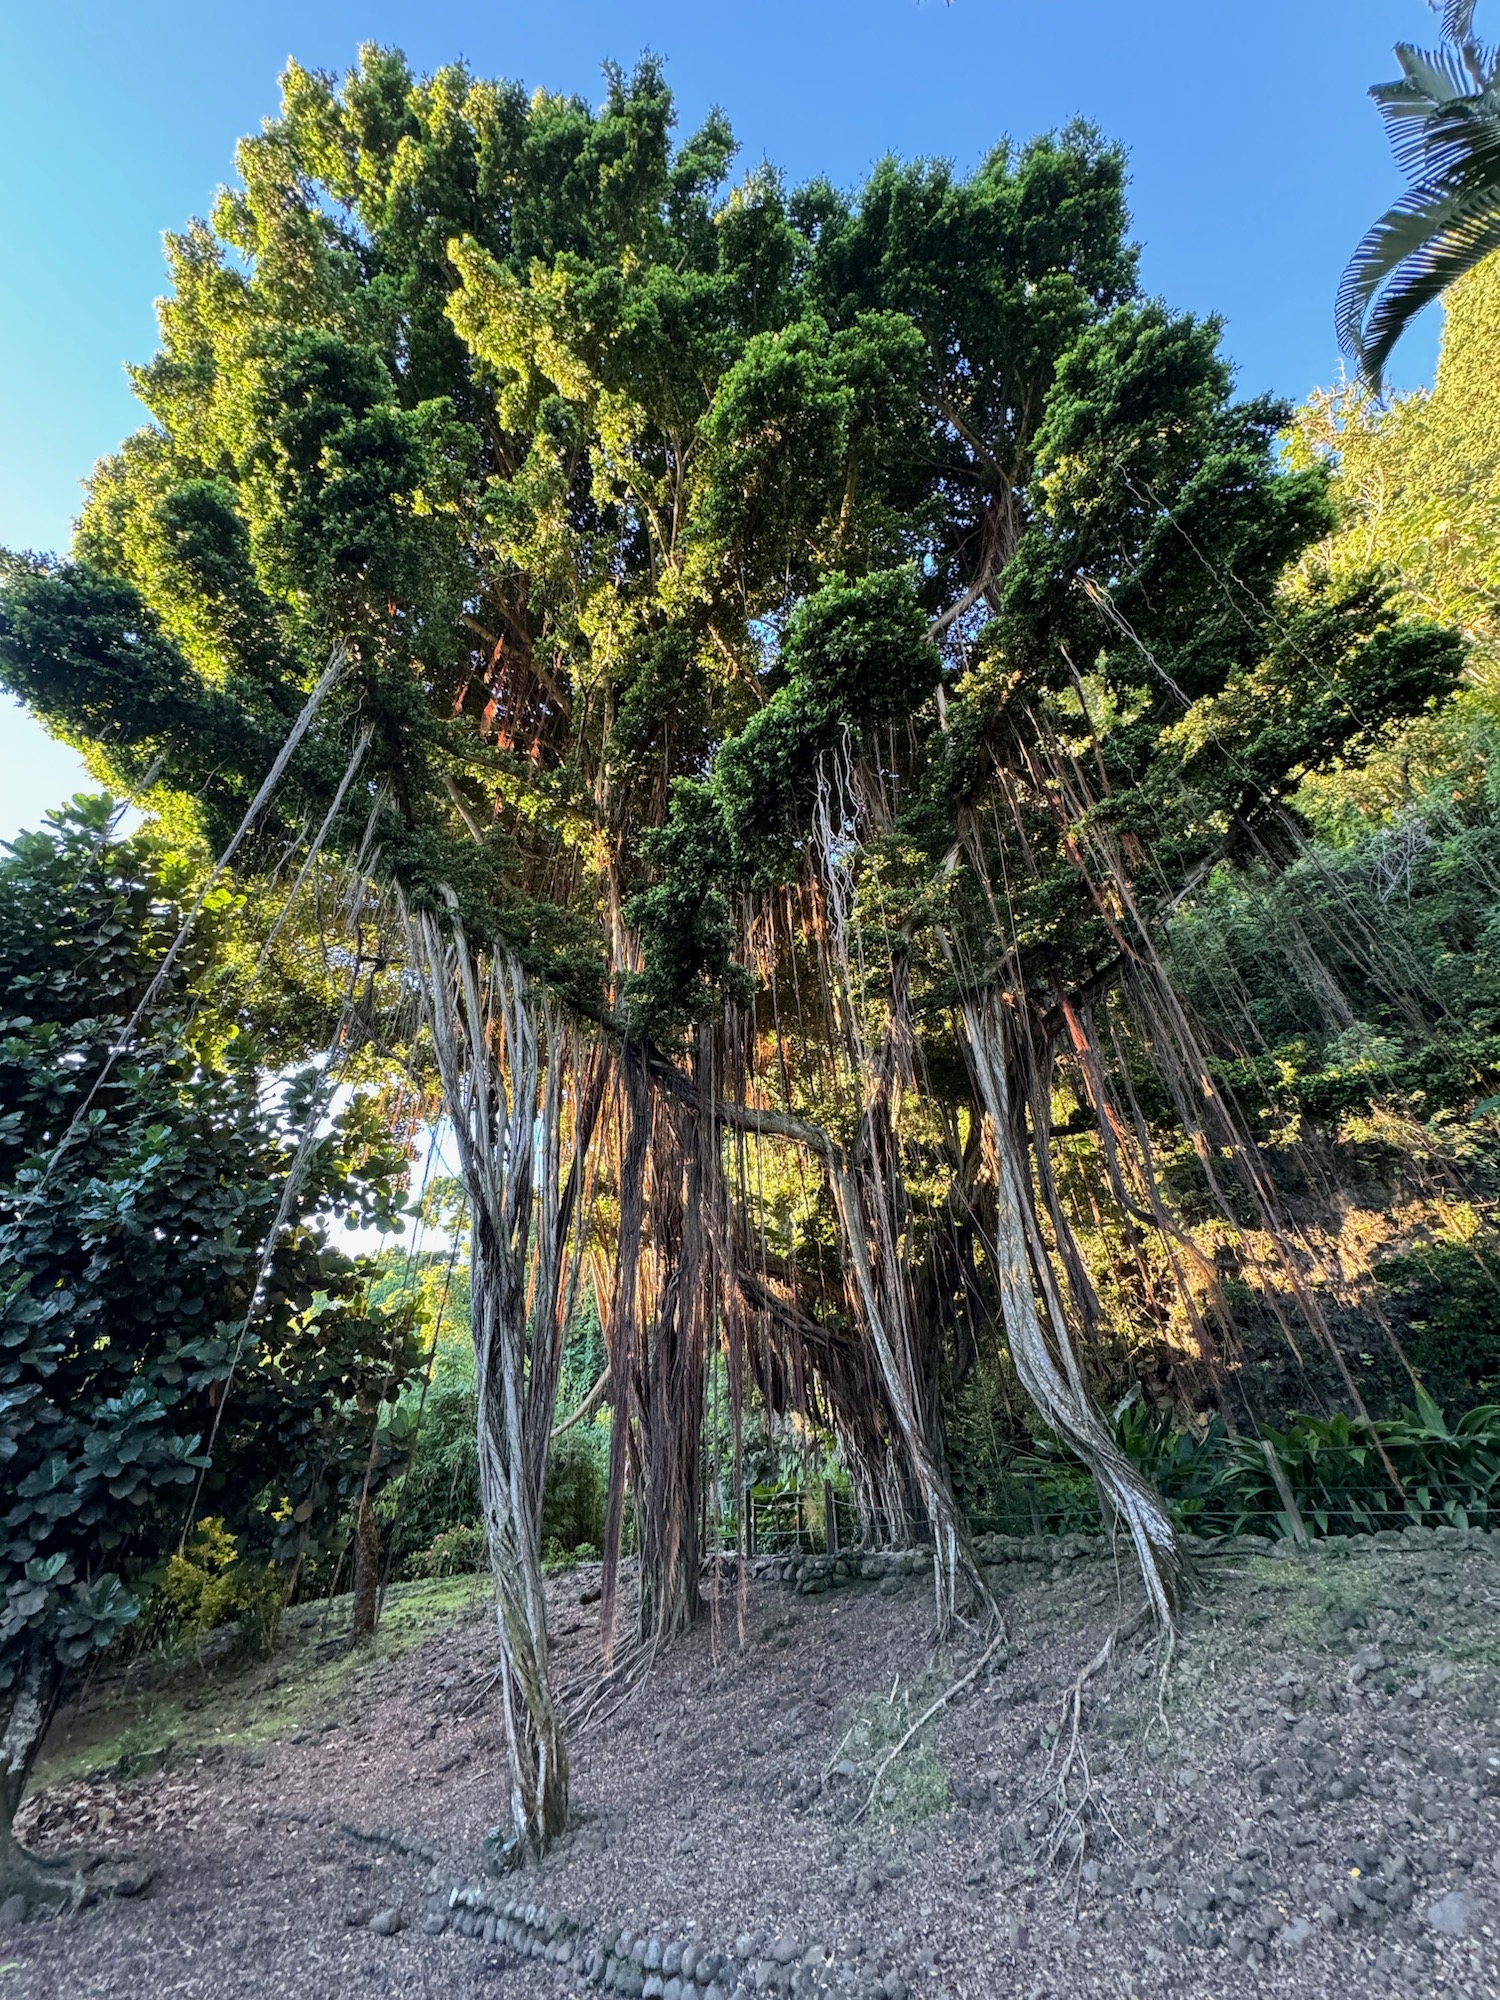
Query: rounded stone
x: 672, y: 1988
x: 688, y: 1960
x: 1454, y: 1915
x: 386, y: 1923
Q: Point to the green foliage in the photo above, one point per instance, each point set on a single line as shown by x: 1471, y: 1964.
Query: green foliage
x: 459, y: 1551
x: 856, y: 658
x: 436, y: 1504
x: 1445, y: 1303
x: 1285, y: 722
x: 209, y: 1584
x: 138, y: 1184
x: 441, y: 1487
x: 573, y: 1504
x: 1417, y: 487
x: 1449, y: 1477
x: 1217, y: 1482
x: 915, y: 1784
x: 631, y: 499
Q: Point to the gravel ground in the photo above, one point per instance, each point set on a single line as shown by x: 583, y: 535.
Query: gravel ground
x: 1304, y: 1799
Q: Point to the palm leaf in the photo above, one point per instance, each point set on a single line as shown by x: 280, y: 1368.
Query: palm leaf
x: 1399, y: 234
x: 1443, y: 119
x: 1461, y: 144
x: 1455, y: 250
x: 1458, y: 20
x: 1435, y: 75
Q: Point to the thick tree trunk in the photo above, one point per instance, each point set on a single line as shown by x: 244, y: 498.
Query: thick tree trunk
x: 27, y: 1708
x: 878, y: 1288
x: 867, y: 1184
x: 671, y: 1373
x: 366, y: 1568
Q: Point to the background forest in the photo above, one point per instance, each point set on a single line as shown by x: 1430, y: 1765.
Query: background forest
x: 933, y: 868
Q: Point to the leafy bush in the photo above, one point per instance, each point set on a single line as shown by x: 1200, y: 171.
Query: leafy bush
x: 1444, y: 1302
x: 149, y: 1361
x: 573, y: 1505
x: 1215, y: 1482
x: 456, y: 1551
x: 1341, y: 1485
x: 211, y: 1584
x: 441, y: 1489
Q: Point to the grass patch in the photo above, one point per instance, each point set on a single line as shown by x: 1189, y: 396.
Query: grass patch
x: 915, y: 1786
x: 187, y: 1708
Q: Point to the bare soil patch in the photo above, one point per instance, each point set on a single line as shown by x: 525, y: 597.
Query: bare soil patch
x: 1305, y: 1799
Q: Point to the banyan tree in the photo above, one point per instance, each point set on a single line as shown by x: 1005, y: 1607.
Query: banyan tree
x: 794, y: 651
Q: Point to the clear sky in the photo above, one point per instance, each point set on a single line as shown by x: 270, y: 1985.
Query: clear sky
x: 1257, y: 162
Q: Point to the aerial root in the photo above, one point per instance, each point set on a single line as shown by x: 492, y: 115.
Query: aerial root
x: 1071, y: 1790
x: 589, y: 1704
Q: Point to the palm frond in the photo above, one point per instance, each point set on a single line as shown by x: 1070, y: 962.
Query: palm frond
x: 1399, y: 234
x: 1442, y: 116
x: 1379, y: 301
x: 1435, y: 75
x: 1462, y: 145
x: 1458, y: 21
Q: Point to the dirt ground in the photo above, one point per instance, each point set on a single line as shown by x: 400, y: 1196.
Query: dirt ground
x: 1304, y: 1799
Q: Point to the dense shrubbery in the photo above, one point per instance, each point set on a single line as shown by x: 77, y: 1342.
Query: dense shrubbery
x: 1445, y: 1302
x: 1344, y: 1477
x: 459, y: 1551
x: 573, y: 1511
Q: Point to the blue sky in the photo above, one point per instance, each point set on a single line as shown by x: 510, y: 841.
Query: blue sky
x: 1257, y: 161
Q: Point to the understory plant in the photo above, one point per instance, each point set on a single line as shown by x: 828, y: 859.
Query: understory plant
x: 179, y: 1337
x: 1347, y: 1477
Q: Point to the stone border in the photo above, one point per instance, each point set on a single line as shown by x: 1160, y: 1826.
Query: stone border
x: 811, y: 1575
x: 639, y: 1966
